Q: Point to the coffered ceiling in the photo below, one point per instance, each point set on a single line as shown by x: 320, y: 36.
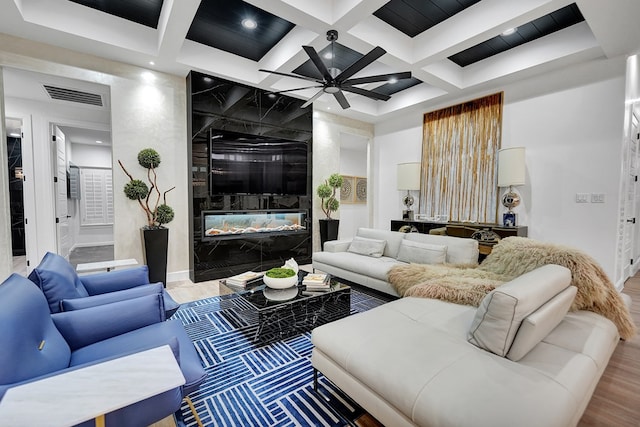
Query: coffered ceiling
x: 451, y: 47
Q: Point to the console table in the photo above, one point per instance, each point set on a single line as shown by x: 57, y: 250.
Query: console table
x: 464, y: 229
x: 89, y: 393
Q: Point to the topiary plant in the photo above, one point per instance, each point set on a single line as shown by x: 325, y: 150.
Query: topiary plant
x: 327, y: 193
x: 149, y: 198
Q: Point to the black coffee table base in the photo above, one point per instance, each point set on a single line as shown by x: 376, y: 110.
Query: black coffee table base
x: 302, y: 315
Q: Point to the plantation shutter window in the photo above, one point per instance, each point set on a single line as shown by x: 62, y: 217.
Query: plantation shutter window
x: 96, y: 202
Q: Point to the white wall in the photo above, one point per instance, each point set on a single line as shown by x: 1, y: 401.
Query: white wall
x: 572, y: 138
x: 327, y: 136
x: 353, y: 162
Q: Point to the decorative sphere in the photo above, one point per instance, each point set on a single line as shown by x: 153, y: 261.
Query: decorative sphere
x: 511, y: 200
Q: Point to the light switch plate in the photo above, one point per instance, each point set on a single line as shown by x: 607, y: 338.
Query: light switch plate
x: 582, y: 197
x: 597, y: 197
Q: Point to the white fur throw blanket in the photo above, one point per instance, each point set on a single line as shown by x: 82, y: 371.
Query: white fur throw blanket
x: 510, y: 258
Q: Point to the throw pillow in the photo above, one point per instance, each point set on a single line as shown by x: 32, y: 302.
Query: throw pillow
x: 501, y: 312
x: 538, y: 324
x: 421, y: 253
x: 368, y: 247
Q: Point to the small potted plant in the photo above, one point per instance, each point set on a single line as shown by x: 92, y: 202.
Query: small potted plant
x: 155, y: 235
x: 280, y: 278
x: 329, y: 203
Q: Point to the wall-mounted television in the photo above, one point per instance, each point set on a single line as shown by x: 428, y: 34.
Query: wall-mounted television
x: 252, y: 164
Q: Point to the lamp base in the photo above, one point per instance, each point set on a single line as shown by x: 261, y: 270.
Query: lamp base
x: 509, y: 219
x: 407, y: 215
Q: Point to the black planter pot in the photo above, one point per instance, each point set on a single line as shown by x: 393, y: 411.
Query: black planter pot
x: 156, y: 244
x: 328, y: 230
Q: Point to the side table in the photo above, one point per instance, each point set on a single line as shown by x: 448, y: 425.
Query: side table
x: 77, y: 396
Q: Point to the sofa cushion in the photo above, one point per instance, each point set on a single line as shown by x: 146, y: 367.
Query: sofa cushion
x: 538, y: 324
x: 459, y: 250
x: 501, y: 312
x: 393, y: 239
x: 422, y: 253
x: 377, y: 268
x: 368, y: 247
x: 58, y: 280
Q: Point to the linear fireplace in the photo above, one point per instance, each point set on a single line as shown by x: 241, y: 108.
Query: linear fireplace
x: 232, y: 224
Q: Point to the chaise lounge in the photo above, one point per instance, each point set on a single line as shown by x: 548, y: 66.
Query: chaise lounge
x: 519, y: 359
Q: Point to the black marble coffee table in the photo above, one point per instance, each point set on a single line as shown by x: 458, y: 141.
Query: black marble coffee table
x: 286, y: 312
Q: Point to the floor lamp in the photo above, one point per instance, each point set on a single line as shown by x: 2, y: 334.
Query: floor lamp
x: 511, y: 172
x: 409, y: 180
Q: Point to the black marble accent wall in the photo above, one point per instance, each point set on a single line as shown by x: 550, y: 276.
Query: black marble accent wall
x: 217, y: 106
x: 14, y: 156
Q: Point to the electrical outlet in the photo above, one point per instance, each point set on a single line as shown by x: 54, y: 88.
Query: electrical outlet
x: 597, y: 197
x: 582, y: 197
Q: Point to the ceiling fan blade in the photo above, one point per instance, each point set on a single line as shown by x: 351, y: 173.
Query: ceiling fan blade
x: 375, y: 53
x: 367, y: 93
x: 292, y: 90
x: 341, y: 100
x: 313, y: 98
x: 295, y: 76
x: 378, y: 78
x: 315, y: 58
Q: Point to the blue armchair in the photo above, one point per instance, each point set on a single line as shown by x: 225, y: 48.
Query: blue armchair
x: 37, y: 344
x: 66, y: 291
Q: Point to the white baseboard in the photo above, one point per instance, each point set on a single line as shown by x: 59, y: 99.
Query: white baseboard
x: 178, y: 276
x: 90, y: 244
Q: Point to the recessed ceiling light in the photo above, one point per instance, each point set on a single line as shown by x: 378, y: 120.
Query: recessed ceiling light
x: 148, y: 76
x: 249, y: 23
x: 509, y: 31
x: 152, y: 63
x: 98, y: 142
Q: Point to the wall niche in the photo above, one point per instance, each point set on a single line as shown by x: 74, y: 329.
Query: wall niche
x: 250, y: 161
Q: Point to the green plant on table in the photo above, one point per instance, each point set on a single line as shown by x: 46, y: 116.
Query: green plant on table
x: 280, y: 273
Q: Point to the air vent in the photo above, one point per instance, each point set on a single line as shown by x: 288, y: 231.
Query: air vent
x: 70, y: 95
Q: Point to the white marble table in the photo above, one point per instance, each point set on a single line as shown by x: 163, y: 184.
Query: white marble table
x: 77, y: 396
x: 105, y: 265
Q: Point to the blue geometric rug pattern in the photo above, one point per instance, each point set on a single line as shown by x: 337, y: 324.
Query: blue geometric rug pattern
x: 251, y: 384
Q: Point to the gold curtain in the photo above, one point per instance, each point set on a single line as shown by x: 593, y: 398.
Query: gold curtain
x: 459, y: 168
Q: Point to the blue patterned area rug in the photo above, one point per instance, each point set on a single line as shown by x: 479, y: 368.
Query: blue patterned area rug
x: 252, y: 384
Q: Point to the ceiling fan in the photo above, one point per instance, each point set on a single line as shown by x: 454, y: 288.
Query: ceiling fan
x: 334, y: 80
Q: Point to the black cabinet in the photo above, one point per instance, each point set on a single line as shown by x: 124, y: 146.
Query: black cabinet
x: 416, y: 226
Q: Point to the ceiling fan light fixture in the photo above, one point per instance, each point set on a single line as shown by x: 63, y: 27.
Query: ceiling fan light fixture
x: 331, y: 89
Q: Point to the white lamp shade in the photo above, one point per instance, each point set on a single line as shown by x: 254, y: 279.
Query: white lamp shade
x: 409, y: 176
x: 511, y: 166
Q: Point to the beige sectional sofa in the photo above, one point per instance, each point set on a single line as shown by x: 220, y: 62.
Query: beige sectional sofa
x: 367, y: 258
x: 519, y: 359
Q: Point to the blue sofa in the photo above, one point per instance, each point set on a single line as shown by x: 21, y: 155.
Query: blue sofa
x: 37, y: 344
x: 66, y: 291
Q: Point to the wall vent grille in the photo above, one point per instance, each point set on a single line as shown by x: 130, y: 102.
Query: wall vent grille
x: 70, y: 95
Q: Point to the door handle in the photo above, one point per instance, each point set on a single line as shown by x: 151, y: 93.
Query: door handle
x: 631, y: 220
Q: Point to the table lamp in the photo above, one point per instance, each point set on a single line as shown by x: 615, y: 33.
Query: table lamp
x: 511, y: 172
x: 408, y: 179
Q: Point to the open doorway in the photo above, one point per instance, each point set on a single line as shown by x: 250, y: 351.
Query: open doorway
x: 65, y: 131
x: 13, y: 128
